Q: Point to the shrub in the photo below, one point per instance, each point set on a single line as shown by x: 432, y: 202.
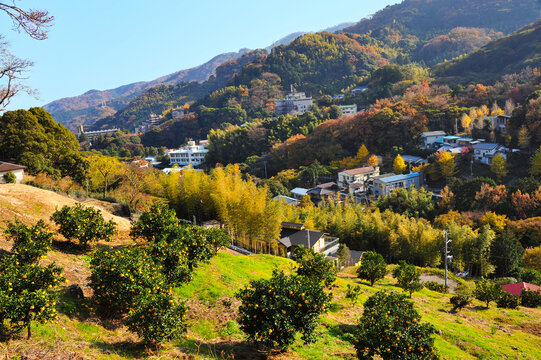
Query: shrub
x: 373, y: 267
x: 119, y: 276
x: 508, y: 301
x: 85, y: 224
x: 487, y: 291
x: 273, y: 311
x: 314, y: 265
x: 434, y: 286
x: 9, y: 178
x: 353, y: 292
x: 408, y: 276
x: 29, y: 243
x: 459, y: 302
x: 391, y: 328
x: 156, y: 317
x: 531, y: 299
x: 173, y: 259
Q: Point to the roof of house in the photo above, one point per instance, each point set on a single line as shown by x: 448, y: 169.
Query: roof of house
x: 485, y: 146
x: 516, y: 289
x: 326, y: 185
x: 394, y: 178
x: 5, y: 166
x: 433, y: 133
x: 451, y: 137
x: 355, y: 256
x: 307, y: 238
x: 357, y: 171
x: 322, y: 191
x: 299, y: 191
x: 286, y: 199
x: 413, y: 159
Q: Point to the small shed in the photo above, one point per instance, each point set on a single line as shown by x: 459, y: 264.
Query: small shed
x: 16, y: 170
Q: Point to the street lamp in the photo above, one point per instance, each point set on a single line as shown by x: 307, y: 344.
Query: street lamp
x: 447, y: 258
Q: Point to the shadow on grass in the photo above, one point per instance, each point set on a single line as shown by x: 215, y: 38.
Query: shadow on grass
x: 67, y: 247
x: 238, y: 350
x: 343, y: 332
x: 127, y: 349
x: 74, y: 308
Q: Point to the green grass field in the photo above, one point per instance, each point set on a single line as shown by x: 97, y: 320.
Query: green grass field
x: 473, y: 333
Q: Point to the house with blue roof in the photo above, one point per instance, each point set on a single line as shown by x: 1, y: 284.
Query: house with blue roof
x: 385, y: 184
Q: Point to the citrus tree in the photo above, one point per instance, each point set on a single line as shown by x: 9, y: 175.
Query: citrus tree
x: 26, y: 288
x: 314, y: 265
x: 487, y: 291
x: 273, y: 311
x: 157, y: 317
x: 373, y: 267
x: 30, y: 243
x: 83, y: 223
x: 391, y: 328
x: 120, y: 275
x: 408, y: 277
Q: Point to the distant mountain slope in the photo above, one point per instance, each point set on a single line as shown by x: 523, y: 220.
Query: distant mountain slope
x: 94, y: 104
x: 289, y: 38
x: 428, y: 18
x: 162, y: 97
x: 502, y: 56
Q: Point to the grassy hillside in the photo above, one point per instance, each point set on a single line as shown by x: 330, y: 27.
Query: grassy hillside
x: 214, y: 334
x: 502, y: 56
x: 212, y: 330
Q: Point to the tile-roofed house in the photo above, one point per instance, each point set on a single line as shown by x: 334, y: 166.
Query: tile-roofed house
x: 516, y: 289
x: 484, y: 152
x: 323, y: 191
x: 15, y: 169
x: 358, y: 175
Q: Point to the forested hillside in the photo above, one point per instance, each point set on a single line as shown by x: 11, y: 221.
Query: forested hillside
x: 428, y: 18
x: 503, y: 56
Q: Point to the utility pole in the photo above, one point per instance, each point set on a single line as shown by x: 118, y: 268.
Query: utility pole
x: 265, y: 163
x: 447, y: 258
x: 87, y: 188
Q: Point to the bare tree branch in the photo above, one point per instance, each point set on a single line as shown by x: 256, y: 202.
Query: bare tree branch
x: 34, y: 22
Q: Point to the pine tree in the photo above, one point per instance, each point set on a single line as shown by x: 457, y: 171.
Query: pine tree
x: 535, y: 163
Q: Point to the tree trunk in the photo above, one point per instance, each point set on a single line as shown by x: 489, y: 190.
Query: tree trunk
x: 29, y: 332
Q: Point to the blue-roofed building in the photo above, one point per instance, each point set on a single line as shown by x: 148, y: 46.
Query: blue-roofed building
x: 385, y: 184
x: 298, y: 193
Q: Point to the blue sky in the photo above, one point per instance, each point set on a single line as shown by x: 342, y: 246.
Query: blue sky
x: 104, y: 44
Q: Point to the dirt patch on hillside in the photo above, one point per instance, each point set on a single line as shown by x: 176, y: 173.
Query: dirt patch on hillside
x: 451, y: 283
x: 534, y: 329
x: 30, y: 204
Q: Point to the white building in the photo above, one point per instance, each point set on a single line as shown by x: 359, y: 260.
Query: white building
x: 385, y: 184
x: 348, y: 109
x: 359, y: 175
x: 428, y: 138
x: 189, y: 154
x: 484, y: 152
x: 294, y: 103
x: 16, y: 170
